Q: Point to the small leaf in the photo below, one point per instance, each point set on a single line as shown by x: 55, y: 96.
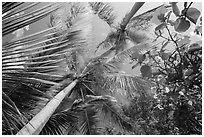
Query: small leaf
x: 193, y: 47
x: 168, y: 15
x: 193, y: 14
x: 175, y: 8
x: 171, y: 22
x: 161, y: 17
x: 141, y: 58
x: 161, y: 26
x: 146, y: 71
x: 158, y: 16
x: 166, y: 55
x: 184, y: 41
x: 181, y: 25
x: 135, y: 55
x: 198, y: 30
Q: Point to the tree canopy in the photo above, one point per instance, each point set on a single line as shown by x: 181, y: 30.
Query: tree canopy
x: 52, y: 85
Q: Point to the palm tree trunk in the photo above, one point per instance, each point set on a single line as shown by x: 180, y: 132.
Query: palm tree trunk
x: 134, y: 9
x: 36, y: 124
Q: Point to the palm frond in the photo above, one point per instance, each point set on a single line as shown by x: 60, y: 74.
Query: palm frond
x: 104, y: 11
x: 61, y: 123
x: 27, y: 66
x: 130, y: 84
x: 108, y: 42
x: 6, y: 6
x: 88, y: 112
x: 94, y: 107
x: 88, y: 119
x: 19, y: 106
x: 31, y: 64
x: 13, y: 119
x: 127, y: 53
x: 67, y: 17
x: 11, y: 22
x: 11, y: 123
x: 116, y: 40
x: 113, y: 112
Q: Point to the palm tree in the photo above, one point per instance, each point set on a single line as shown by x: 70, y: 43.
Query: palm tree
x: 54, y: 102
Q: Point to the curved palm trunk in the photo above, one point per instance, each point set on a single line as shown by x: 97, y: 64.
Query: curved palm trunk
x: 36, y: 124
x: 134, y: 9
x: 124, y: 23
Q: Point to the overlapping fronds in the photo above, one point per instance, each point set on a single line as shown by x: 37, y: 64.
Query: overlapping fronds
x: 113, y: 112
x: 116, y: 41
x: 61, y: 123
x: 94, y: 107
x: 109, y: 41
x: 35, y: 60
x: 31, y: 65
x: 11, y: 115
x: 130, y: 84
x: 88, y: 121
x: 67, y: 17
x: 18, y: 15
x: 88, y: 115
x: 104, y: 11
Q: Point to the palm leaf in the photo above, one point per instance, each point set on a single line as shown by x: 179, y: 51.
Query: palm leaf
x: 104, y: 11
x: 88, y: 122
x: 100, y: 106
x: 30, y: 66
x: 11, y: 22
x: 120, y: 35
x: 117, y: 41
x: 140, y: 22
x: 130, y: 84
x: 18, y: 106
x: 60, y: 123
x: 88, y: 117
x: 67, y: 17
x: 87, y: 109
x: 6, y: 6
x: 113, y: 112
x: 10, y: 122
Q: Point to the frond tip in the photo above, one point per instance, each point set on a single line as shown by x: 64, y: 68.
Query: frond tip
x: 13, y: 19
x: 104, y: 11
x: 113, y: 112
x: 61, y: 122
x: 131, y: 85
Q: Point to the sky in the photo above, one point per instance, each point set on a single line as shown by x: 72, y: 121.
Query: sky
x: 101, y: 29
